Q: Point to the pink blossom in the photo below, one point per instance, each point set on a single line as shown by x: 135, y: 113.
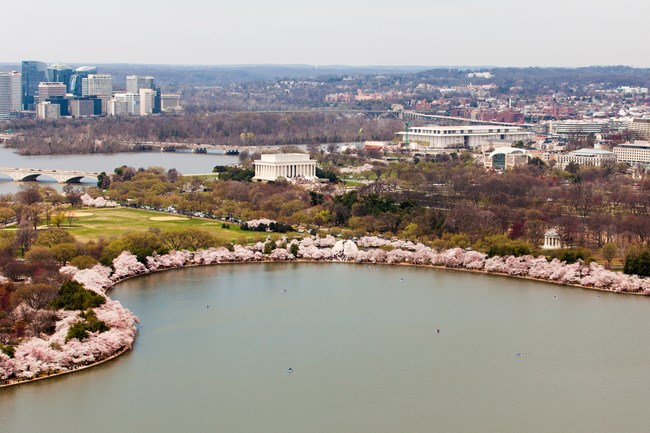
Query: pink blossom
x: 127, y: 265
x: 327, y: 241
x: 6, y: 366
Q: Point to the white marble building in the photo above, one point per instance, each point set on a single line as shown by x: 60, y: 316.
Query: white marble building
x: 552, y: 240
x: 288, y: 165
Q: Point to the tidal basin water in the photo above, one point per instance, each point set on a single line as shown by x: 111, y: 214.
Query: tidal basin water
x: 215, y: 344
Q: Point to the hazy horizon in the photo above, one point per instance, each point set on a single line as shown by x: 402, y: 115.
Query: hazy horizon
x: 502, y: 33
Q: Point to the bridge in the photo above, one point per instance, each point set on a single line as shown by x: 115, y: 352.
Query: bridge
x: 32, y: 174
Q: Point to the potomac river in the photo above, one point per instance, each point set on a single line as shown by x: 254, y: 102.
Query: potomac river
x: 184, y: 162
x: 215, y: 344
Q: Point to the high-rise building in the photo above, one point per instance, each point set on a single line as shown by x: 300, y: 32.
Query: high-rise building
x: 48, y: 111
x: 47, y: 90
x: 131, y: 100
x: 97, y: 84
x: 136, y: 82
x: 117, y: 107
x: 10, y: 93
x: 78, y: 75
x: 84, y: 106
x: 33, y: 73
x: 60, y: 73
x: 147, y: 101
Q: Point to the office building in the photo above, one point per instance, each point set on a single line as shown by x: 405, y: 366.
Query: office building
x: 569, y: 128
x: 47, y: 90
x: 170, y: 102
x: 633, y: 153
x: 131, y: 100
x: 33, y: 73
x: 147, y: 101
x: 10, y: 94
x: 587, y: 157
x: 60, y: 73
x: 97, y: 84
x: 136, y: 82
x: 48, y: 111
x: 85, y: 106
x: 641, y: 127
x: 76, y: 85
x: 117, y: 107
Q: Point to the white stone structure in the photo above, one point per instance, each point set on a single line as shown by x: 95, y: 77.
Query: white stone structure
x: 346, y: 249
x: 450, y: 137
x: 288, y: 165
x: 503, y: 158
x: 552, y: 240
x: 587, y: 157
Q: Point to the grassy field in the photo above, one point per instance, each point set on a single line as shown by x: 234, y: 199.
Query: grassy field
x: 93, y: 224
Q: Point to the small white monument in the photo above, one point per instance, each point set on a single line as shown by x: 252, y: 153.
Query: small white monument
x: 552, y: 240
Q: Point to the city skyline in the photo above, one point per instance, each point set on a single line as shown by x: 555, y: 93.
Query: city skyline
x: 497, y: 33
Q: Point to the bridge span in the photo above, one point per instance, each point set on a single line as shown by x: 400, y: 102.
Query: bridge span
x: 32, y: 174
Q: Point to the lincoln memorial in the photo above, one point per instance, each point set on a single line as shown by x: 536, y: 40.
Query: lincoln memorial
x: 287, y: 165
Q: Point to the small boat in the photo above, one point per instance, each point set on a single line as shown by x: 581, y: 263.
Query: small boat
x: 519, y: 355
x: 289, y: 370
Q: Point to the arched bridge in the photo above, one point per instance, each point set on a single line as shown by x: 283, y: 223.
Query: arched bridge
x: 32, y: 174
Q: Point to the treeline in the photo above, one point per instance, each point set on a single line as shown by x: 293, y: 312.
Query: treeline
x: 448, y: 200
x: 111, y: 134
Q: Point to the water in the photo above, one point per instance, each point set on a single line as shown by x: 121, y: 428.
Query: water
x: 365, y: 353
x: 184, y: 162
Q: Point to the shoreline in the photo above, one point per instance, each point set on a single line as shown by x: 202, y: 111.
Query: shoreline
x: 438, y: 267
x: 435, y: 267
x: 62, y: 373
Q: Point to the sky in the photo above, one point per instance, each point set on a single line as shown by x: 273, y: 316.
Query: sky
x: 333, y: 32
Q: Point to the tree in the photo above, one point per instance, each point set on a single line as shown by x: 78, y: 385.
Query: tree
x: 28, y: 194
x: 103, y: 180
x: 36, y: 296
x: 7, y: 214
x: 64, y: 252
x: 25, y: 236
x: 54, y: 236
x: 609, y: 252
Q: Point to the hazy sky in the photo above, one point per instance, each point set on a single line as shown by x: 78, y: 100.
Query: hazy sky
x: 344, y: 32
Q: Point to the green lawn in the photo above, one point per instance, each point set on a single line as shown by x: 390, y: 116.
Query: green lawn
x: 93, y: 224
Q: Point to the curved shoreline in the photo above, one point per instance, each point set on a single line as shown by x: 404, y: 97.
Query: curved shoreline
x: 438, y: 267
x: 62, y: 373
x: 415, y: 265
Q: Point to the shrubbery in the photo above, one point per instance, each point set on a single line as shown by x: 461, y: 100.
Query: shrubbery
x: 89, y: 323
x: 637, y: 262
x: 73, y: 296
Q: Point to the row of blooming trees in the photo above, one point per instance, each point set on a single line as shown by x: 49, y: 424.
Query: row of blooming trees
x: 377, y: 250
x: 55, y: 353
